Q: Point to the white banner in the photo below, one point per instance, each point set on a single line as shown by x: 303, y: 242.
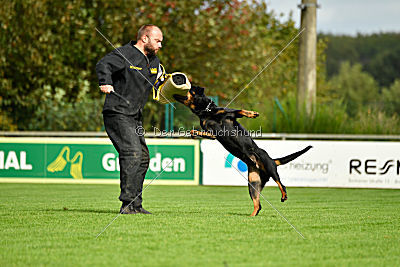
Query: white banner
x: 327, y: 164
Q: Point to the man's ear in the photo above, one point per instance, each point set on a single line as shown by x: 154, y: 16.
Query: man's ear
x: 145, y: 39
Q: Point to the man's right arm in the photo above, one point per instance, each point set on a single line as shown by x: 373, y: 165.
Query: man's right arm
x: 107, y: 66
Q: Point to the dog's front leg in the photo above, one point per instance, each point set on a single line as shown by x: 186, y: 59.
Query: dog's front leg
x: 248, y: 113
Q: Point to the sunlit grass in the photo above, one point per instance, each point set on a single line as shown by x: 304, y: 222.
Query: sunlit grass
x: 43, y: 224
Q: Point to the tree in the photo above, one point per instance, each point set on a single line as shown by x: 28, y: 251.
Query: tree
x: 391, y: 98
x: 52, y: 47
x: 385, y: 67
x: 358, y: 89
x: 377, y: 53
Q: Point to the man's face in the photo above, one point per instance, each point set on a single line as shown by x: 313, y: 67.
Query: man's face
x: 154, y: 40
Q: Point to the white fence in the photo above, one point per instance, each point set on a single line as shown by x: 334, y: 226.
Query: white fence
x: 352, y: 164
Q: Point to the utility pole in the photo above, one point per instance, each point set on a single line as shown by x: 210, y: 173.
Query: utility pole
x: 307, y: 76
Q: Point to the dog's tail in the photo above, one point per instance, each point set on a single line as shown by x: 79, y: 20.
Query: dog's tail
x: 291, y: 157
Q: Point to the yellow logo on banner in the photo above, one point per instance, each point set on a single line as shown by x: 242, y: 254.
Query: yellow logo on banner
x: 136, y: 68
x: 61, y: 161
x: 153, y: 70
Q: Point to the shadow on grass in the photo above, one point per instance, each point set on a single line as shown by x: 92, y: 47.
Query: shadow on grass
x: 164, y: 212
x: 83, y: 210
x: 242, y: 214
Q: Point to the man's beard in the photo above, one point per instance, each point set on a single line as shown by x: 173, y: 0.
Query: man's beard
x: 149, y: 50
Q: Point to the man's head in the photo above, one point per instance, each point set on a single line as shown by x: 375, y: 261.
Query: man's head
x: 149, y: 38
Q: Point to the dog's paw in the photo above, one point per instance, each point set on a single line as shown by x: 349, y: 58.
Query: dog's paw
x: 250, y: 114
x: 254, y: 114
x: 284, y: 198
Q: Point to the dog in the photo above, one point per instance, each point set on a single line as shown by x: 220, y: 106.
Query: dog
x: 221, y: 124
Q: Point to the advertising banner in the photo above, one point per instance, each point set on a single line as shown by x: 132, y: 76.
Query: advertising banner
x: 93, y: 160
x: 327, y: 164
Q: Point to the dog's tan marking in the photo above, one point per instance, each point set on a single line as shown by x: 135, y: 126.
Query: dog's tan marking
x: 189, y: 99
x: 255, y: 187
x: 208, y: 135
x: 277, y: 162
x: 284, y: 196
x: 254, y: 159
x: 195, y: 133
x: 220, y: 111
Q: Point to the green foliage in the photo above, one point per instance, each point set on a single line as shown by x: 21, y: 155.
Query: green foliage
x: 48, y: 52
x: 358, y: 89
x: 391, y: 98
x: 46, y: 47
x: 53, y: 113
x: 385, y: 67
x: 220, y: 44
x: 375, y: 122
x: 377, y: 53
x: 330, y: 117
x: 361, y: 72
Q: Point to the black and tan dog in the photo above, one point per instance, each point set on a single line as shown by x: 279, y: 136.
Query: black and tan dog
x: 221, y: 124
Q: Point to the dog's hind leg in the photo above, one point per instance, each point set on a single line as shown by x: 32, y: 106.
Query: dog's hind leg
x: 269, y: 166
x: 282, y: 188
x: 272, y: 170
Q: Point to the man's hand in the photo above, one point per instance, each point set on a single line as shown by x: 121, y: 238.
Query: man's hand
x: 106, y: 88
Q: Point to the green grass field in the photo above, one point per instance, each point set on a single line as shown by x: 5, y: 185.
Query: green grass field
x: 46, y: 224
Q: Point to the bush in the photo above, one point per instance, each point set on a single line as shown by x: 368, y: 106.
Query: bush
x: 374, y: 122
x: 391, y: 98
x: 358, y: 89
x: 53, y: 113
x: 331, y: 117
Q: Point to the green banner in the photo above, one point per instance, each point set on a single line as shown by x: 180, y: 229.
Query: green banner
x: 172, y: 161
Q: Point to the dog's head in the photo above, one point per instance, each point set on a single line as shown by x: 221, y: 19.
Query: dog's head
x: 195, y: 99
x: 196, y: 90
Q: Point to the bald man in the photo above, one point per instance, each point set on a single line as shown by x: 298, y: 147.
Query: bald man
x: 130, y: 71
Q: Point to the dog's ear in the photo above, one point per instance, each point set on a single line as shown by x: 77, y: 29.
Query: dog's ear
x: 201, y: 91
x: 196, y: 90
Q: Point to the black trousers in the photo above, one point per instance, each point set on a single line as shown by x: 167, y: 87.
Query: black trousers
x: 124, y: 132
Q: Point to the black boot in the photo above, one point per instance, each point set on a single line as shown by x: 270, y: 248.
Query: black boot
x: 127, y: 208
x: 142, y: 210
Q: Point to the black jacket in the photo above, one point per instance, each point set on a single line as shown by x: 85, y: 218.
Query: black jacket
x: 115, y: 70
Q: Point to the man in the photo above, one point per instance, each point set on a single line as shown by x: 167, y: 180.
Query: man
x: 130, y: 71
